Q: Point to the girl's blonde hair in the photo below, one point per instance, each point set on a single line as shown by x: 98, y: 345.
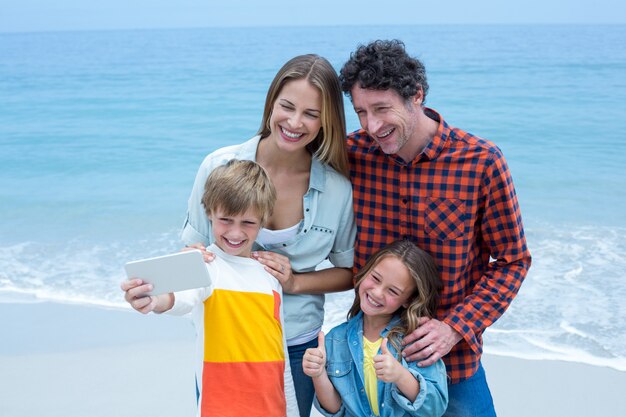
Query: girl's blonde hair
x: 422, y: 303
x: 329, y: 146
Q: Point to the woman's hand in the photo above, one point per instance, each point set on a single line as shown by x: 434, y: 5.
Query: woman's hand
x: 279, y: 266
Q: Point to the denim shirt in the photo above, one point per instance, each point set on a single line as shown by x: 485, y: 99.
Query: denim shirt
x: 344, y: 353
x: 327, y: 231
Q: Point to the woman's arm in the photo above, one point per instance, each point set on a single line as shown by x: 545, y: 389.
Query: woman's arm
x: 315, y: 282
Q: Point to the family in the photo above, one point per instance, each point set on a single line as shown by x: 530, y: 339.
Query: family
x: 419, y: 217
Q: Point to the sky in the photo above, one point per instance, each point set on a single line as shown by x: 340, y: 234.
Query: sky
x: 54, y: 15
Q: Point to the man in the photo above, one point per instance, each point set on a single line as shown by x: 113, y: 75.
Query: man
x: 450, y: 192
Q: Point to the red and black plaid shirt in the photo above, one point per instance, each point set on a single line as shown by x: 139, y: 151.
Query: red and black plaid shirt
x: 455, y: 200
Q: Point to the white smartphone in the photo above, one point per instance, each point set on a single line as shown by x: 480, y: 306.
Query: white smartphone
x: 169, y: 273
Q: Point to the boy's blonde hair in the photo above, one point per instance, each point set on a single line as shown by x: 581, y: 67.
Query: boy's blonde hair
x: 237, y: 187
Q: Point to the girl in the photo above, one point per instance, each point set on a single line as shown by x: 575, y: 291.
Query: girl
x: 358, y: 371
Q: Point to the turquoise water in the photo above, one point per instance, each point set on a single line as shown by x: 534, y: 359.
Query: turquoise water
x: 101, y: 134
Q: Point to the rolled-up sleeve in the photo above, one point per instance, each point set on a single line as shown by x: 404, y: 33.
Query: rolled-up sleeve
x: 432, y: 399
x: 342, y: 253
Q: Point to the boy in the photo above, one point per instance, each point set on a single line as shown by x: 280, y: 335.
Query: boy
x: 242, y: 369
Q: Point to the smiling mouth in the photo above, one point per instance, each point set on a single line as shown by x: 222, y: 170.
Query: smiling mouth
x: 234, y: 243
x: 386, y: 134
x: 372, y: 302
x: 291, y: 135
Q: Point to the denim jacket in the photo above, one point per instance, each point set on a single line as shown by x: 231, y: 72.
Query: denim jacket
x: 344, y: 353
x: 326, y: 232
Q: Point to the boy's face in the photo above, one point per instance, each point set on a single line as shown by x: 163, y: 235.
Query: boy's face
x: 235, y: 234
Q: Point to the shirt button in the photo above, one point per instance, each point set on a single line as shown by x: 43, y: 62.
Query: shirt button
x: 337, y: 371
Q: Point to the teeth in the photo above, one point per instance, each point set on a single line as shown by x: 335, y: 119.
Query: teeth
x: 291, y: 134
x: 234, y: 242
x: 385, y: 134
x: 373, y: 302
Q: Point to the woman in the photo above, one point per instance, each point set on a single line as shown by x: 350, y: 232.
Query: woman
x: 301, y: 145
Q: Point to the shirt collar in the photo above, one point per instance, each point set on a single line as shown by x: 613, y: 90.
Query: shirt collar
x: 435, y: 146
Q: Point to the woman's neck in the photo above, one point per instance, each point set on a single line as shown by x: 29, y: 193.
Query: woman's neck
x: 272, y: 158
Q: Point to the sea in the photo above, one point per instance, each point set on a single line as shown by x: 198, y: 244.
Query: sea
x: 101, y: 134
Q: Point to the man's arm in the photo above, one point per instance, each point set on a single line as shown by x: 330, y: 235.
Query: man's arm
x: 503, y: 235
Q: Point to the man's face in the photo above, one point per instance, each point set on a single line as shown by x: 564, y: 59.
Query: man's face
x: 388, y: 118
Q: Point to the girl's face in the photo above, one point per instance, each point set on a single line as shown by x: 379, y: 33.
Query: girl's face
x: 296, y: 115
x: 386, y: 287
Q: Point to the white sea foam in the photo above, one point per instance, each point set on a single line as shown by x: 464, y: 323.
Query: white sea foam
x: 569, y: 308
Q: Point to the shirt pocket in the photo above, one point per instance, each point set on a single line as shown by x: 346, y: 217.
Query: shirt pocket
x: 339, y: 373
x: 445, y: 218
x: 324, y: 236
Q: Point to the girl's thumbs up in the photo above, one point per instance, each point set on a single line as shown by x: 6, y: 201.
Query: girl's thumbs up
x: 384, y: 349
x: 320, y: 340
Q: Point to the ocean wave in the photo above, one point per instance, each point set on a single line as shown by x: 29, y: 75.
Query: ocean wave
x: 569, y: 308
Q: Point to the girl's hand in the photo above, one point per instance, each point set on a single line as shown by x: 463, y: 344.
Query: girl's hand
x: 387, y: 367
x: 314, y: 359
x: 135, y: 294
x: 279, y: 266
x: 208, y: 256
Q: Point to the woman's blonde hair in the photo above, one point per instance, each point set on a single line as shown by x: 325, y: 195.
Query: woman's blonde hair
x: 238, y: 186
x: 423, y: 301
x: 329, y: 146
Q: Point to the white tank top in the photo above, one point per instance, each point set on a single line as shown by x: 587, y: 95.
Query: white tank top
x: 272, y: 237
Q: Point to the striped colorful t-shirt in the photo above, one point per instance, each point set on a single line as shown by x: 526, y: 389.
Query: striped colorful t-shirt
x: 241, y: 367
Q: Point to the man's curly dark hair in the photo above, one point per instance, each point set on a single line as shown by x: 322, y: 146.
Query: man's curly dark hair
x: 384, y: 65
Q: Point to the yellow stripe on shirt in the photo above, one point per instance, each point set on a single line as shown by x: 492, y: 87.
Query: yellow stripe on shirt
x: 258, y: 337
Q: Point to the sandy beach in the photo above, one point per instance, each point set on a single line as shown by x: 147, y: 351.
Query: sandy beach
x: 72, y: 360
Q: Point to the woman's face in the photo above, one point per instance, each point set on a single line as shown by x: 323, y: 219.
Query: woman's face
x: 296, y: 115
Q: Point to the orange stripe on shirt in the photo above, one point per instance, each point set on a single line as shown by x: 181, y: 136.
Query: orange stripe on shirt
x: 243, y: 389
